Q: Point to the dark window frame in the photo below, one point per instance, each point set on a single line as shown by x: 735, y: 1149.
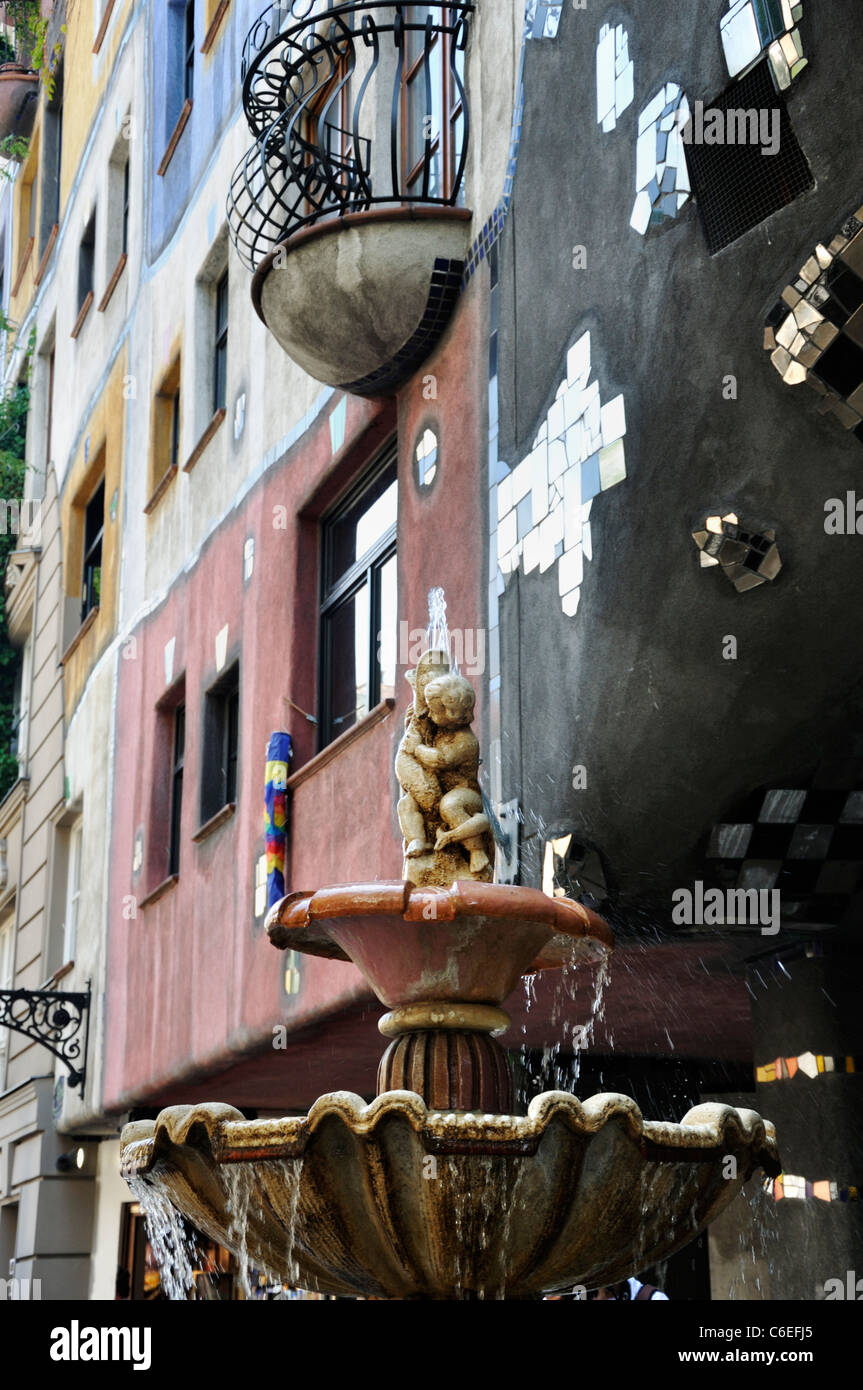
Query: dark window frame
x: 364, y: 571
x: 175, y: 429
x: 52, y: 159
x: 221, y: 745
x: 189, y: 50
x: 177, y: 766
x: 124, y: 241
x: 87, y: 260
x: 220, y: 344
x: 91, y: 589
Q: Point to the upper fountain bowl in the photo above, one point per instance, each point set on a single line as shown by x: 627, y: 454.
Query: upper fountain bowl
x: 468, y: 942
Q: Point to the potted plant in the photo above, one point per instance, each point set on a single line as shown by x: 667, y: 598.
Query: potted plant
x: 22, y: 62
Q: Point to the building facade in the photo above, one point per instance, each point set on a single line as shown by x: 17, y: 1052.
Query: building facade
x: 487, y: 310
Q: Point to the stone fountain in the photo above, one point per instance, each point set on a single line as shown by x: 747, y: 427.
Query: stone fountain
x: 438, y: 1189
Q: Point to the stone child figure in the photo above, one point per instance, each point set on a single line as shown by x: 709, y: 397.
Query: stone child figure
x: 440, y: 810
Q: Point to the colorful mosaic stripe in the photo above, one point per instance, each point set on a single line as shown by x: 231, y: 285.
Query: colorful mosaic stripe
x: 787, y: 1185
x: 276, y: 814
x: 809, y: 1063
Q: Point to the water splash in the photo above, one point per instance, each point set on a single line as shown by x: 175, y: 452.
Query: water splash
x: 437, y: 632
x: 558, y: 1066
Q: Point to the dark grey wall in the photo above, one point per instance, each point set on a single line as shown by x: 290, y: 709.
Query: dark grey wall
x: 635, y: 686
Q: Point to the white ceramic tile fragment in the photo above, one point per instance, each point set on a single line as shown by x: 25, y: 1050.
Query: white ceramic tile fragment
x: 579, y: 431
x: 661, y: 177
x: 740, y: 41
x: 614, y: 76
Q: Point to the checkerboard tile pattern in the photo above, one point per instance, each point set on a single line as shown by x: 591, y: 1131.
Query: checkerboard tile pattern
x: 807, y: 841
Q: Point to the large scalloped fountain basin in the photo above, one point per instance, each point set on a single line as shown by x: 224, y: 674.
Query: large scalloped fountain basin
x: 397, y: 1201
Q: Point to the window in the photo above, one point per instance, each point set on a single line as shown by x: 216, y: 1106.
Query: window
x: 8, y: 1221
x: 432, y: 107
x: 221, y: 745
x: 94, y: 527
x: 53, y: 149
x: 260, y: 885
x: 358, y: 603
x: 166, y: 426
x: 6, y: 982
x: 117, y: 211
x: 21, y: 708
x: 124, y: 239
x: 177, y: 788
x: 26, y: 212
x: 327, y: 126
x: 177, y: 74
x: 189, y: 50
x: 86, y: 261
x: 220, y: 353
x: 49, y: 421
x: 73, y: 891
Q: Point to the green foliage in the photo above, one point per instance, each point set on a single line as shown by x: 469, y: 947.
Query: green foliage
x: 13, y: 435
x: 30, y: 33
x: 14, y: 147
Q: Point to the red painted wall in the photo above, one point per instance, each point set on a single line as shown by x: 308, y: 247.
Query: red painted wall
x: 193, y: 985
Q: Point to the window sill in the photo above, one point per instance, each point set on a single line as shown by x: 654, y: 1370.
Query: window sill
x: 22, y: 266
x: 160, y: 890
x: 46, y: 254
x: 82, y: 314
x: 210, y: 36
x: 204, y: 440
x: 160, y: 490
x: 80, y: 634
x: 332, y: 750
x: 112, y: 283
x: 60, y: 974
x: 175, y: 136
x: 103, y: 27
x: 214, y: 822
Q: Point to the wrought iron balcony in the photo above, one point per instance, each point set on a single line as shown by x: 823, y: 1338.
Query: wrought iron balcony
x: 353, y: 106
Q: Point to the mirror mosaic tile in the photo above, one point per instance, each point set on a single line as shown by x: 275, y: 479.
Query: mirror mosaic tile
x: 817, y: 337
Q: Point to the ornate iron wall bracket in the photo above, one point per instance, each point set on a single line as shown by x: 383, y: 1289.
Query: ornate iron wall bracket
x: 55, y: 1019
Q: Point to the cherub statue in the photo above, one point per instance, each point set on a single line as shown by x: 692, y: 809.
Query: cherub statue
x: 440, y: 810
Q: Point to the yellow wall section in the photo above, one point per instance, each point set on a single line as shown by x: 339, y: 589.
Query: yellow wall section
x: 105, y: 428
x: 86, y: 77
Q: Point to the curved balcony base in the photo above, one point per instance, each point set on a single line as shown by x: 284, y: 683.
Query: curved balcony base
x: 360, y: 302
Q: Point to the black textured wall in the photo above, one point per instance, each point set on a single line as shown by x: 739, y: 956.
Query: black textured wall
x: 635, y: 686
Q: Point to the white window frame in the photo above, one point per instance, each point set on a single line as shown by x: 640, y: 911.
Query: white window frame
x: 7, y: 933
x: 73, y: 890
x: 23, y: 710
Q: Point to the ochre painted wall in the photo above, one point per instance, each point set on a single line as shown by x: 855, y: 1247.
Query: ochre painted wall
x: 104, y: 436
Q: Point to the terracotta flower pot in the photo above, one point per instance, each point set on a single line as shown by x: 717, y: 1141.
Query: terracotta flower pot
x: 19, y: 91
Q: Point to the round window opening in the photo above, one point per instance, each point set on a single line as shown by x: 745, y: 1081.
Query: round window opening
x: 426, y: 457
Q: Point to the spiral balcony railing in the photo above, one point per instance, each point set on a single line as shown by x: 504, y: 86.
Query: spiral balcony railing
x: 352, y: 105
